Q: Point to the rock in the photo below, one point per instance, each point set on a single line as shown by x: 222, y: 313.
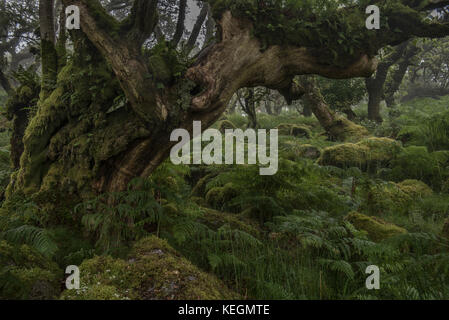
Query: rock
x: 386, y: 197
x: 216, y: 219
x: 294, y: 130
x: 415, y: 188
x: 366, y: 154
x: 310, y: 152
x: 153, y: 271
x: 343, y: 129
x: 376, y: 228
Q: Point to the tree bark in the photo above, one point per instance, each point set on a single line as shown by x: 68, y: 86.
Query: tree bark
x: 393, y: 85
x: 375, y: 85
x: 49, y: 54
x: 180, y: 26
x: 249, y: 107
x: 306, y: 110
x: 210, y: 25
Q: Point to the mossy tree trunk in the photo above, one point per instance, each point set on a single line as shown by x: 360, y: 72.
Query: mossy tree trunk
x: 374, y: 87
x: 306, y: 110
x: 249, y: 107
x: 375, y: 84
x: 83, y: 140
x: 337, y: 128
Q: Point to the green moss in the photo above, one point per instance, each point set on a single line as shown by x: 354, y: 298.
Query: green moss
x: 160, y: 69
x: 376, y: 228
x: 49, y: 58
x: 216, y: 219
x: 386, y: 197
x: 307, y: 24
x: 26, y: 274
x: 74, y: 131
x: 310, y: 152
x: 415, y: 188
x: 166, y: 63
x: 344, y: 155
x: 153, y: 270
x: 294, y: 130
x: 219, y: 196
x: 105, y: 21
x: 366, y: 154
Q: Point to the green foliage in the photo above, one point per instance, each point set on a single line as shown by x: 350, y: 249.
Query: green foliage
x: 342, y: 94
x: 116, y: 219
x: 434, y: 132
x: 166, y: 63
x: 26, y: 274
x: 417, y: 163
x: 37, y: 238
x: 306, y: 23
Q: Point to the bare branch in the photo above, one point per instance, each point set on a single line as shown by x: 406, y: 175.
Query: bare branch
x: 197, y: 28
x: 180, y: 26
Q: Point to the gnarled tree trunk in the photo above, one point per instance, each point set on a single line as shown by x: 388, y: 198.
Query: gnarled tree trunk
x: 82, y: 141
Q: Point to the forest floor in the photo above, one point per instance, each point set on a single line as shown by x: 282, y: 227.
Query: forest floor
x: 223, y: 232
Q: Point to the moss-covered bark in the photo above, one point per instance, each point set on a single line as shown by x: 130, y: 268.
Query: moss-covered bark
x: 18, y: 109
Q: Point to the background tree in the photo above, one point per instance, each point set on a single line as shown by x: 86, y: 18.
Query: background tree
x: 430, y: 73
x: 18, y: 20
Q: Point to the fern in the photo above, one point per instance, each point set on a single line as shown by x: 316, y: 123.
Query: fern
x: 38, y: 238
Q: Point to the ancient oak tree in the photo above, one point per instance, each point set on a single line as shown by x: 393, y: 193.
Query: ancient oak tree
x: 105, y: 116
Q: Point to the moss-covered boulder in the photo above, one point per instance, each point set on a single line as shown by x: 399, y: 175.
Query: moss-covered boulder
x: 408, y: 134
x: 296, y: 130
x: 217, y: 197
x: 344, y: 130
x: 26, y: 274
x: 367, y: 154
x: 415, y: 188
x: 294, y: 151
x: 376, y: 228
x: 309, y: 151
x: 153, y: 271
x: 386, y: 197
x: 344, y: 155
x: 215, y: 219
